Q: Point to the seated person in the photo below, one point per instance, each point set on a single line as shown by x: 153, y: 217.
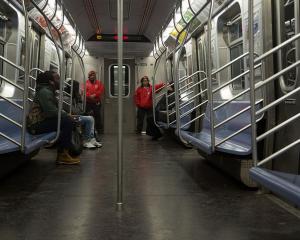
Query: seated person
x: 43, y: 116
x: 162, y: 105
x: 87, y: 122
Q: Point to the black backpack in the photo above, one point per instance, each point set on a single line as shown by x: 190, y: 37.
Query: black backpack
x: 77, y: 141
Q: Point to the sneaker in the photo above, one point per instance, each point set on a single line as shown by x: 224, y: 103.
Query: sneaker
x: 88, y: 144
x: 95, y: 143
x: 65, y: 158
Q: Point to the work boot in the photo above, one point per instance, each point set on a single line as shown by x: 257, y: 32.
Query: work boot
x: 65, y: 158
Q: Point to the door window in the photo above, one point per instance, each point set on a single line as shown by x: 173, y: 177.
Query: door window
x: 114, y: 82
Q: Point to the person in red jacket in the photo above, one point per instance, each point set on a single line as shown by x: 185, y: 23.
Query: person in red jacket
x: 143, y: 101
x: 94, y: 94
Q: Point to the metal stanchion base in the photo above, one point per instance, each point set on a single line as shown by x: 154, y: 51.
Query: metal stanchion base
x: 119, y: 206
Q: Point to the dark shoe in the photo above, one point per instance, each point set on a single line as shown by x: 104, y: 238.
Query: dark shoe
x: 138, y: 132
x: 155, y: 138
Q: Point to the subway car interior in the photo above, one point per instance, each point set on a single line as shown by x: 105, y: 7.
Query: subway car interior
x: 196, y: 138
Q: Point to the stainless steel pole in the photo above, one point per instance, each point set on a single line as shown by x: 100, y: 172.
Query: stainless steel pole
x: 209, y: 78
x: 120, y: 108
x: 297, y: 30
x: 251, y: 81
x: 26, y: 75
x: 72, y: 79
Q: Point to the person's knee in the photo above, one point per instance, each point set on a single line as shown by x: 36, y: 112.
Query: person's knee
x: 90, y: 119
x: 67, y: 123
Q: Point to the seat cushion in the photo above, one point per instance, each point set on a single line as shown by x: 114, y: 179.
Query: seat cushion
x: 286, y: 185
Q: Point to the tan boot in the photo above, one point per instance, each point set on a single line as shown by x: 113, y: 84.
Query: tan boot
x: 65, y: 158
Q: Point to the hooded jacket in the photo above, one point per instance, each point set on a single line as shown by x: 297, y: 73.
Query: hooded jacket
x: 143, y: 96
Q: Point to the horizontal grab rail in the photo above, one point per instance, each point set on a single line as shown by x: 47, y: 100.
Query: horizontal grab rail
x: 275, y: 49
x: 187, y: 94
x: 229, y: 63
x: 11, y: 120
x: 236, y: 114
x: 281, y: 151
x: 278, y: 127
x: 10, y: 139
x: 235, y: 78
x: 12, y: 64
x: 12, y: 102
x: 276, y: 75
x: 192, y: 75
x: 190, y: 87
x: 193, y: 120
x: 192, y: 98
x: 277, y: 101
x: 11, y: 82
x: 233, y: 135
x: 173, y: 122
x: 192, y: 109
x: 36, y: 69
x: 232, y: 99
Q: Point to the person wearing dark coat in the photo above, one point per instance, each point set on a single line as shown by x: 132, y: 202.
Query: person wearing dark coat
x: 43, y: 116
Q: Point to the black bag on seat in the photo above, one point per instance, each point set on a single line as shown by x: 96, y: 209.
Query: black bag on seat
x: 77, y: 145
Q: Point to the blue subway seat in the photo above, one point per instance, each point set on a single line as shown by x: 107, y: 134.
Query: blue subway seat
x: 32, y: 142
x: 237, y: 145
x: 286, y: 185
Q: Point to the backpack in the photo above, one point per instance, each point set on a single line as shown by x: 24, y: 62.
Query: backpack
x: 35, y: 115
x: 77, y: 145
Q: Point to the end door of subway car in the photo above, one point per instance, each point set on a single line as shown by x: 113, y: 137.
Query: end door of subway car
x: 111, y: 96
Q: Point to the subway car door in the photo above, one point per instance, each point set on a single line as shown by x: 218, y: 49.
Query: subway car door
x: 111, y: 96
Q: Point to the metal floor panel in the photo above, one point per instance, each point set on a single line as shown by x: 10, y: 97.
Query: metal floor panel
x: 170, y: 193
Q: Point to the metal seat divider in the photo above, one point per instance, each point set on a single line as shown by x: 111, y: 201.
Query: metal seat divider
x: 257, y: 86
x: 177, y: 89
x: 274, y: 103
x: 194, y: 108
x: 176, y: 83
x: 192, y: 98
x: 156, y: 65
x: 21, y: 144
x: 61, y: 63
x: 195, y: 14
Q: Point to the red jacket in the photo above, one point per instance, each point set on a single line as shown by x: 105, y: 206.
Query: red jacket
x: 96, y: 88
x: 143, y: 96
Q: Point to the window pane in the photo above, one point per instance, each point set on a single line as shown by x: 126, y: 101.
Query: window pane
x: 2, y: 28
x: 114, y: 80
x: 237, y: 67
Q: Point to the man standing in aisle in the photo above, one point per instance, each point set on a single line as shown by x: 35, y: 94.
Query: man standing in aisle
x: 94, y: 94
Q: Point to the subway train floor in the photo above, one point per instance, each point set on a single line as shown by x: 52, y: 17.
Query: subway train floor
x: 170, y: 193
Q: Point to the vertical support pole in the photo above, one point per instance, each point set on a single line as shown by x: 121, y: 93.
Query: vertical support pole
x: 72, y: 80
x: 297, y: 30
x: 80, y: 60
x: 26, y: 74
x: 120, y: 106
x: 251, y: 80
x: 209, y: 78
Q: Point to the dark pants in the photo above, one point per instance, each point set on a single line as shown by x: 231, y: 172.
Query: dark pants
x: 95, y: 111
x: 141, y: 113
x: 152, y: 129
x: 50, y: 125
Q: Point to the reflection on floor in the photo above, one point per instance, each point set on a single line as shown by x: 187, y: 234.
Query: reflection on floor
x: 169, y: 193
